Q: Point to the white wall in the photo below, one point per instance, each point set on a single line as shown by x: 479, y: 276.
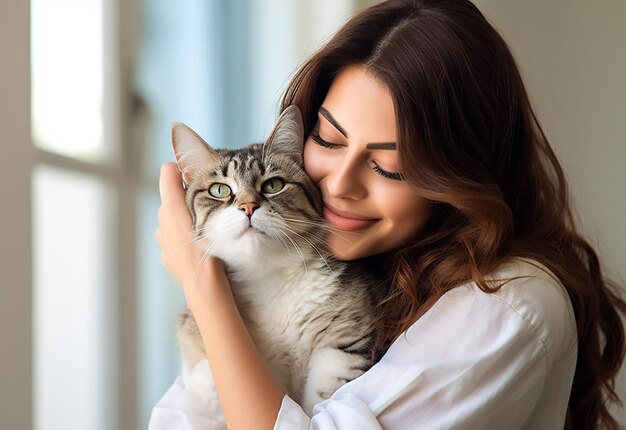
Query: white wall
x: 573, y: 58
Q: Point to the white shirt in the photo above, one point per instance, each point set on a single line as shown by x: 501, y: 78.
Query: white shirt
x: 473, y: 361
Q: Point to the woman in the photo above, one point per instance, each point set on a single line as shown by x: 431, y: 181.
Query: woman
x: 416, y: 117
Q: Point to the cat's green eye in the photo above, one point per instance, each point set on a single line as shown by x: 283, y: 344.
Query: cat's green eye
x: 220, y: 191
x: 272, y: 186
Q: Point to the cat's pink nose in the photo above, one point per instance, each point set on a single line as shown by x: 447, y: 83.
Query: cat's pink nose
x: 248, y: 208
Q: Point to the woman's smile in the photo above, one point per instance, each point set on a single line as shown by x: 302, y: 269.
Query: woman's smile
x: 344, y: 220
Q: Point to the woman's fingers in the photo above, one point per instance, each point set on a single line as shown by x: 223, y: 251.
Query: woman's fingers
x: 170, y: 184
x: 174, y: 218
x: 175, y: 232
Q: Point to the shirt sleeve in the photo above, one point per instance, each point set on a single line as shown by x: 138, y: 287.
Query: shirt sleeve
x: 471, y: 362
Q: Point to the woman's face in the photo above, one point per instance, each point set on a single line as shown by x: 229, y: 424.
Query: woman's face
x: 351, y: 155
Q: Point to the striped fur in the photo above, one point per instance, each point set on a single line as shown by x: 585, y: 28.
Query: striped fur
x: 309, y: 316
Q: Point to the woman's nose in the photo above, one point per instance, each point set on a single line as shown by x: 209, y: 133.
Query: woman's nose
x: 345, y: 179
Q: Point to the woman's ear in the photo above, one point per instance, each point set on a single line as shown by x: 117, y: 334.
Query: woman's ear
x: 190, y: 151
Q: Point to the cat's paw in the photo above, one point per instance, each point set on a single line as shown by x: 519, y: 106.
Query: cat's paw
x: 329, y: 369
x: 199, y: 380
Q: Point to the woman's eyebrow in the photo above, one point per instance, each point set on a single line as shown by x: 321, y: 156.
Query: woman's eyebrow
x: 332, y: 120
x: 385, y: 145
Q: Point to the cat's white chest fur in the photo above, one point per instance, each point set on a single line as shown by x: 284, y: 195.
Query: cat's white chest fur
x: 280, y: 310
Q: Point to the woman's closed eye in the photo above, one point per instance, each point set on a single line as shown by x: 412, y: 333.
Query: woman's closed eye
x: 375, y: 167
x: 386, y: 174
x: 320, y: 141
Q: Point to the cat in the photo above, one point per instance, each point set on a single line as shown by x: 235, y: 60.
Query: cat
x: 257, y: 210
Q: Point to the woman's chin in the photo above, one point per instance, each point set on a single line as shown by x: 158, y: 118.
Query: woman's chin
x: 344, y: 250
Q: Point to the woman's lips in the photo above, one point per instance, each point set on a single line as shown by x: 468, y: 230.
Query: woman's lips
x: 344, y: 220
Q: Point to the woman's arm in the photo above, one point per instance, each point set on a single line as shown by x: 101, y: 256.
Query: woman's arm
x: 249, y: 396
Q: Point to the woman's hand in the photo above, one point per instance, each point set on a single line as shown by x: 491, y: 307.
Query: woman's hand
x: 179, y: 253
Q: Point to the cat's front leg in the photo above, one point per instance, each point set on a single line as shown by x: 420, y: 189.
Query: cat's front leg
x: 329, y: 369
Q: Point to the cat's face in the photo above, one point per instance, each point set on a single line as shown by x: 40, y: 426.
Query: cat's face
x: 255, y: 202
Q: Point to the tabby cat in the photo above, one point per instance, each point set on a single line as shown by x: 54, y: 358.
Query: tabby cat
x: 257, y: 210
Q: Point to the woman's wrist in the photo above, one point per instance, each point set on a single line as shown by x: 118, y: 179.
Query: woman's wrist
x: 207, y: 285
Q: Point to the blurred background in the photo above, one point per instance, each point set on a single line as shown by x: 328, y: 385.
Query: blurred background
x: 88, y: 91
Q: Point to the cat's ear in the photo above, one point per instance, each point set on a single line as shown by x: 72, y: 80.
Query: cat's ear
x: 190, y: 150
x: 287, y: 136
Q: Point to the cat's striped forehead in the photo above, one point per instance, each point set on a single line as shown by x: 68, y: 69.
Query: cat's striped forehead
x: 250, y: 163
x: 244, y: 164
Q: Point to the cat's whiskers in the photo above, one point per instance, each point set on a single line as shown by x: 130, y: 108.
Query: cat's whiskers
x: 318, y: 236
x: 283, y: 242
x: 322, y: 224
x: 193, y: 239
x: 207, y: 254
x: 198, y: 238
x: 316, y: 233
x: 184, y: 244
x: 314, y: 247
x: 297, y: 249
x: 327, y: 227
x: 308, y: 222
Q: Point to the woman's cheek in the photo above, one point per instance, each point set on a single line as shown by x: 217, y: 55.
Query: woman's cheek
x: 316, y: 160
x: 397, y: 201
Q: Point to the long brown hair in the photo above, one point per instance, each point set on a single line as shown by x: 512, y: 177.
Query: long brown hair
x: 469, y: 141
